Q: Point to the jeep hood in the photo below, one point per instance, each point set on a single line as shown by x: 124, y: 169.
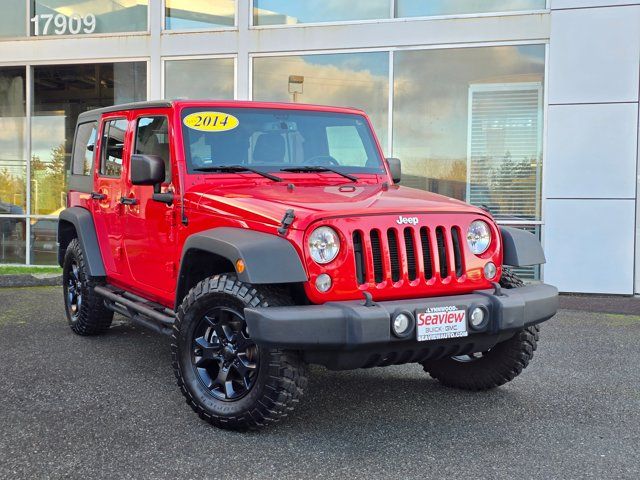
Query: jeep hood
x: 267, y: 203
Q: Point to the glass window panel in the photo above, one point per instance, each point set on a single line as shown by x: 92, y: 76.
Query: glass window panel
x: 422, y: 8
x: 152, y: 138
x: 13, y: 21
x: 286, y: 12
x: 358, y: 80
x: 199, y: 78
x: 60, y: 94
x: 199, y: 14
x: 85, y: 149
x: 112, y: 147
x: 79, y: 17
x: 44, y: 249
x: 12, y: 240
x: 468, y: 124
x: 13, y: 153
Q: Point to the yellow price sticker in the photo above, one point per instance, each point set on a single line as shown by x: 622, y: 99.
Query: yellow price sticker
x: 211, y: 121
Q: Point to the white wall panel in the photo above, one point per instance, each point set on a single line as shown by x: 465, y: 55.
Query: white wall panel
x: 591, y: 151
x: 594, y: 55
x: 590, y: 3
x: 589, y: 245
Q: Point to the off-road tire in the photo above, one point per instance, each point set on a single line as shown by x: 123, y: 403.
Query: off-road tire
x: 500, y: 365
x: 281, y: 377
x: 91, y: 317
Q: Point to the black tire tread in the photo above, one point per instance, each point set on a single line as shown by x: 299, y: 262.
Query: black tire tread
x: 287, y: 373
x: 95, y: 318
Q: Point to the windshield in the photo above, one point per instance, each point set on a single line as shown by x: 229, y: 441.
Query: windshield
x: 275, y: 140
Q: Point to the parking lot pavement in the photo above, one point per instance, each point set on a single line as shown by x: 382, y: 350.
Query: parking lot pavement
x: 108, y: 407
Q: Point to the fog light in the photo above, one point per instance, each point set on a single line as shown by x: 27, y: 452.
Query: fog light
x: 402, y: 324
x: 477, y: 317
x: 323, y: 282
x: 490, y: 271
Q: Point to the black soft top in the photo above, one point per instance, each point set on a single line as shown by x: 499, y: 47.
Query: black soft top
x: 91, y: 115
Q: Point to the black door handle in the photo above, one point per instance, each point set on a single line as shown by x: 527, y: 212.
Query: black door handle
x: 128, y: 201
x: 98, y: 196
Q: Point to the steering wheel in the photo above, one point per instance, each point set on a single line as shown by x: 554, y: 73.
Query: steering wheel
x: 322, y: 160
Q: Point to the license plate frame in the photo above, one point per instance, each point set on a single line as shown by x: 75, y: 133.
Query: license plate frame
x: 441, y: 323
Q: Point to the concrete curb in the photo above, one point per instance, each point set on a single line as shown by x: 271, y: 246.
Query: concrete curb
x: 31, y: 280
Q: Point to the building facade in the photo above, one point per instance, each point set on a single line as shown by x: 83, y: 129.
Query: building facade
x: 529, y: 107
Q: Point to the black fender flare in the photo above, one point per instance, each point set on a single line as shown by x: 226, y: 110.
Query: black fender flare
x: 520, y: 248
x: 268, y: 259
x: 82, y: 221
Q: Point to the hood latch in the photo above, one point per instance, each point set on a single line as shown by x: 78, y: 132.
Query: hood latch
x: 286, y: 222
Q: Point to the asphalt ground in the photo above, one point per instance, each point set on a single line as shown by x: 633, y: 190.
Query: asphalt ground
x: 108, y: 407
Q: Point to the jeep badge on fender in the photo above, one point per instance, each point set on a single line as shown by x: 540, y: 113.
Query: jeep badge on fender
x: 259, y: 244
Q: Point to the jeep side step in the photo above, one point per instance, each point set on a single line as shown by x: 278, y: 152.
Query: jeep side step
x: 147, y: 314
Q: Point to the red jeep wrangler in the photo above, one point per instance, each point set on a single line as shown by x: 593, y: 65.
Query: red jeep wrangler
x: 263, y: 237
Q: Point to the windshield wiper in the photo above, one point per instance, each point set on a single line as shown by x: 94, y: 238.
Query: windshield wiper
x: 237, y: 169
x: 318, y: 168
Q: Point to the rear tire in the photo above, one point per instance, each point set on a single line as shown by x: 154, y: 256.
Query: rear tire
x: 499, y: 365
x: 85, y: 309
x: 226, y: 379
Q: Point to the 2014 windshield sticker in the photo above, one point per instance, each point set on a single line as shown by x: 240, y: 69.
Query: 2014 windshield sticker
x: 211, y: 121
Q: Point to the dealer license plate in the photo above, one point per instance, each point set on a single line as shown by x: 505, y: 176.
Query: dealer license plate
x: 437, y: 323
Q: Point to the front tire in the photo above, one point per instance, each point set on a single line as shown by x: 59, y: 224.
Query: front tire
x: 226, y: 378
x: 86, y: 312
x: 499, y: 365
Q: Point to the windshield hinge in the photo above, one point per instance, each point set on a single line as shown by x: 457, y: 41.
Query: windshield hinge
x: 286, y: 222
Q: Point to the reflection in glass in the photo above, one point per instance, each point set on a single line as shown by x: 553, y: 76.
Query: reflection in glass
x: 13, y: 19
x: 12, y: 141
x: 12, y: 240
x: 286, y: 12
x: 199, y: 14
x: 467, y: 123
x: 421, y: 8
x: 210, y: 78
x: 43, y: 241
x: 73, y: 17
x: 358, y: 80
x: 61, y: 93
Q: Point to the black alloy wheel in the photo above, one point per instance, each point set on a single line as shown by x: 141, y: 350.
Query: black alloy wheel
x: 224, y: 358
x: 74, y: 291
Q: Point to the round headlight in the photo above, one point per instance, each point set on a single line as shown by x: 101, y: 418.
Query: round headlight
x: 479, y: 237
x: 324, y: 245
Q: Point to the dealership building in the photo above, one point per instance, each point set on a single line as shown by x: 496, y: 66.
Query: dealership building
x: 528, y: 107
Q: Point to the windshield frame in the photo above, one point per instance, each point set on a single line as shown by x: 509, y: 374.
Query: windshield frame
x: 371, y: 147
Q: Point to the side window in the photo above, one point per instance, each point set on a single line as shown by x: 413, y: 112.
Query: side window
x: 84, y: 149
x: 112, y: 147
x: 152, y: 138
x: 345, y: 145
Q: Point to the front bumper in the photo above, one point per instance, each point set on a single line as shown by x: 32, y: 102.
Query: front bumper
x: 349, y: 334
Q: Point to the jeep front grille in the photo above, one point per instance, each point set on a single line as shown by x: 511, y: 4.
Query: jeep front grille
x: 407, y: 253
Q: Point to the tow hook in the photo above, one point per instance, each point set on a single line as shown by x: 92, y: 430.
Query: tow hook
x: 368, y: 300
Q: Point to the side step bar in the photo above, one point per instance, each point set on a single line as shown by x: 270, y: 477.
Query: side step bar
x: 147, y: 314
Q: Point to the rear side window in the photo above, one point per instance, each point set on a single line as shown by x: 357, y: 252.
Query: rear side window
x: 112, y: 147
x: 84, y: 149
x: 152, y: 138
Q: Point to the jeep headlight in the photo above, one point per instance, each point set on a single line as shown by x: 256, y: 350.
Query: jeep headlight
x: 324, y: 245
x: 479, y: 237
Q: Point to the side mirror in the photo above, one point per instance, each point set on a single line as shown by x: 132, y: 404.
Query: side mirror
x: 395, y: 167
x: 147, y: 170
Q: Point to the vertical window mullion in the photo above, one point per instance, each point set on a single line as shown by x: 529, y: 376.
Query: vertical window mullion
x: 28, y: 111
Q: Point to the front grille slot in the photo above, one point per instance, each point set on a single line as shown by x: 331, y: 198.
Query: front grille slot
x: 442, y: 253
x: 412, y: 266
x: 376, y: 253
x: 358, y: 251
x: 394, y: 254
x: 457, y: 250
x: 426, y: 253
